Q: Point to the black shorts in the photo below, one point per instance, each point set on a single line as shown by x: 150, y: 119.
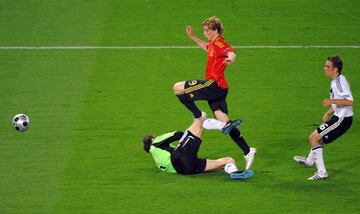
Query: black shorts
x: 184, y: 158
x: 207, y: 90
x: 334, y: 128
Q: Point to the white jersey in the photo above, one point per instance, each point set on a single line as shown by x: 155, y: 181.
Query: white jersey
x: 340, y: 89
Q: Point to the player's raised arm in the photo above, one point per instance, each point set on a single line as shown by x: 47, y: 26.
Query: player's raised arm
x: 190, y: 34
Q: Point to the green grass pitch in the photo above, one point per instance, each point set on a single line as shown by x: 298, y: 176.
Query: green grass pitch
x: 90, y: 108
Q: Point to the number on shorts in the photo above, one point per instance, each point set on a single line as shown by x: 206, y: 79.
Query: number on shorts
x: 323, y: 126
x: 193, y: 82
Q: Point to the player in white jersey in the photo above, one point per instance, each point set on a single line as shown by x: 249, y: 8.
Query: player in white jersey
x: 341, y: 101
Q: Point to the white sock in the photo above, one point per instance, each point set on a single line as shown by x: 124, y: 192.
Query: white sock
x: 211, y: 124
x: 310, y: 160
x: 320, y: 160
x: 230, y: 168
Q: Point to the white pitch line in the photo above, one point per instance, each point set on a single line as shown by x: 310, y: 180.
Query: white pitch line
x: 297, y: 46
x: 176, y: 47
x: 92, y: 47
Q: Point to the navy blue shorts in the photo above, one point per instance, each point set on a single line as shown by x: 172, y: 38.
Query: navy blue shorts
x: 334, y: 128
x: 207, y: 90
x: 184, y: 158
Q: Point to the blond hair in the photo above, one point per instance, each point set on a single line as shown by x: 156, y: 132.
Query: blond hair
x: 214, y: 23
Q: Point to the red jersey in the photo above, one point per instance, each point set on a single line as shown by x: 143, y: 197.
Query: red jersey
x: 215, y: 68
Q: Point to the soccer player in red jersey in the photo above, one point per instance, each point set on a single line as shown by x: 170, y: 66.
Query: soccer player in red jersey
x: 214, y: 88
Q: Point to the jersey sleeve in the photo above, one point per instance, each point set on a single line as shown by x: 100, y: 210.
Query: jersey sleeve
x: 222, y: 48
x: 344, y: 89
x: 164, y: 144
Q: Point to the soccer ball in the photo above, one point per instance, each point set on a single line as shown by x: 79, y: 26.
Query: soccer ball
x: 21, y: 122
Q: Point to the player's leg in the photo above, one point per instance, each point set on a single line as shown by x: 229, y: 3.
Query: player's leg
x: 213, y: 165
x: 316, y: 143
x: 225, y: 127
x: 325, y: 134
x: 184, y: 157
x: 315, y: 157
x: 196, y: 127
x: 224, y: 118
x: 190, y: 146
x: 179, y: 90
x: 235, y: 133
x: 228, y: 164
x: 221, y: 113
x: 222, y: 121
x: 214, y: 124
x: 236, y: 136
x: 219, y: 107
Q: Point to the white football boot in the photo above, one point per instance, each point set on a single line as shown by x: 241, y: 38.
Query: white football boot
x: 249, y: 158
x: 319, y: 176
x: 302, y: 161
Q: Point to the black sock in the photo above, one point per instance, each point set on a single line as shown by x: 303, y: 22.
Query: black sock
x: 189, y: 105
x: 239, y: 140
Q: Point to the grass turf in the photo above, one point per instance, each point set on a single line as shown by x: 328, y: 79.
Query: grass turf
x: 90, y: 108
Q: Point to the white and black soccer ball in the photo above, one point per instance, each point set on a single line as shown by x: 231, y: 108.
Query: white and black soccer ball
x: 21, y: 122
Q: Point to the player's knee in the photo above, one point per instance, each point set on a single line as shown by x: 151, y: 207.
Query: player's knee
x: 314, y: 138
x: 175, y: 87
x: 311, y: 139
x: 178, y: 88
x: 230, y: 160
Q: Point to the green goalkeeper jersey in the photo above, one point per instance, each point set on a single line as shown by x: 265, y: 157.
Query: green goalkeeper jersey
x: 161, y: 150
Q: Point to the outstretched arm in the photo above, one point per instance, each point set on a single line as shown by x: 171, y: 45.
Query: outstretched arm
x: 199, y: 42
x: 166, y: 142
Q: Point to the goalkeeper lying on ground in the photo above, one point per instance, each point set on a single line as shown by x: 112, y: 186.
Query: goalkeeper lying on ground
x: 183, y: 159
